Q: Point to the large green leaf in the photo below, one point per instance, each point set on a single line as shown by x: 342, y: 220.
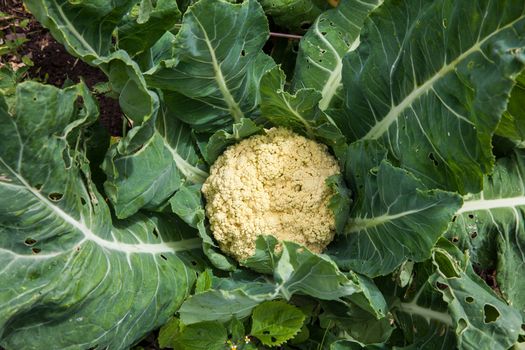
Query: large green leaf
x: 421, y: 313
x: 334, y: 33
x: 491, y: 225
x: 64, y: 260
x: 430, y: 81
x: 480, y: 318
x: 85, y: 28
x: 295, y: 271
x: 395, y: 217
x: 217, y: 64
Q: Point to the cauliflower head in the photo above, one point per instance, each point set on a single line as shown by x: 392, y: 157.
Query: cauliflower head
x: 271, y: 184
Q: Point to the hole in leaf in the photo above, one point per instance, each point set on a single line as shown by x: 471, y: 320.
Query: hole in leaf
x: 55, y: 196
x: 38, y: 187
x: 34, y: 98
x: 163, y: 257
x: 454, y: 218
x: 156, y: 232
x: 474, y: 234
x: 523, y: 327
x: 194, y: 263
x: 273, y: 339
x: 441, y: 286
x: 469, y: 300
x: 491, y: 313
x: 433, y: 159
x: 29, y: 241
x: 266, y: 332
x: 455, y: 239
x: 462, y: 324
x: 306, y: 25
x: 82, y: 201
x: 243, y: 53
x: 323, y: 33
x: 36, y: 250
x: 471, y: 216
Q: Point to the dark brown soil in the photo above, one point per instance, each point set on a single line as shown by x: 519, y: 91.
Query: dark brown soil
x: 52, y: 63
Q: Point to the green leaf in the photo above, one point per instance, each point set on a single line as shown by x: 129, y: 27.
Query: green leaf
x: 265, y: 257
x: 490, y: 225
x: 164, y: 162
x: 295, y: 15
x: 430, y: 82
x: 169, y: 333
x: 222, y: 304
x: 340, y: 201
x: 321, y: 50
x: 220, y: 140
x: 236, y: 329
x: 299, y: 112
x: 217, y: 64
x: 512, y: 125
x: 188, y: 205
x: 136, y: 34
x: 357, y: 323
x: 370, y: 298
x: 482, y: 320
x: 125, y: 78
x: 295, y: 271
x: 203, y: 336
x: 62, y: 255
x: 303, y: 272
x: 275, y: 322
x: 395, y: 218
x: 204, y: 281
x: 421, y: 313
x: 85, y: 28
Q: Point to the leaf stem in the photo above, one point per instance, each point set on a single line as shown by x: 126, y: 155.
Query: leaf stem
x: 285, y: 35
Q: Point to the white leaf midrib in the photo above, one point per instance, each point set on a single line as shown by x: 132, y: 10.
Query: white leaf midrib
x: 190, y: 172
x: 146, y: 248
x: 382, y: 126
x: 490, y: 204
x: 73, y: 30
x: 360, y: 224
x: 235, y: 110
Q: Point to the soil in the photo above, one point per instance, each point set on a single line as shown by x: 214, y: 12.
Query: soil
x: 52, y: 63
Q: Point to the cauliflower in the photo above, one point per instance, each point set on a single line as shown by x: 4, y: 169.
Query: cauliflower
x: 272, y: 184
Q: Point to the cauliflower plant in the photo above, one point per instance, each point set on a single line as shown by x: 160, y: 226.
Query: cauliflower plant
x: 271, y: 184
